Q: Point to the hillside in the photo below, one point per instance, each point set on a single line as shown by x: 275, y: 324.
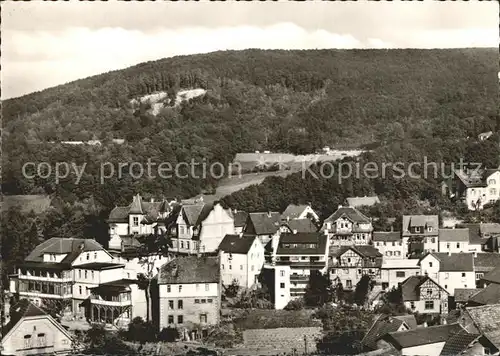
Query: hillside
x: 429, y: 101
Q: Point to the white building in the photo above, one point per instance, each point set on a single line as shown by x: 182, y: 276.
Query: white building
x: 454, y: 240
x: 395, y: 271
x: 305, y: 211
x: 476, y: 189
x: 420, y: 233
x: 390, y: 244
x: 450, y: 270
x: 347, y: 227
x: 423, y: 295
x: 241, y: 258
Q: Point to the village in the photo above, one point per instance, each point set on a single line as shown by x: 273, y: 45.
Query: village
x: 187, y: 266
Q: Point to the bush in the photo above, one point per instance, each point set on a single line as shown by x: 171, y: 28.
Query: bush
x: 169, y: 334
x: 232, y: 289
x: 139, y: 330
x: 295, y: 304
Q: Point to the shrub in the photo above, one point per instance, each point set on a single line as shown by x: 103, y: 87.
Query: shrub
x: 169, y: 334
x: 295, y: 304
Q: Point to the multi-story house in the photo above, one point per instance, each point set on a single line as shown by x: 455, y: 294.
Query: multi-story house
x: 139, y: 218
x: 190, y: 292
x: 490, y: 292
x: 353, y: 262
x: 483, y: 236
x: 297, y: 225
x: 201, y: 228
x: 241, y: 258
x: 291, y: 258
x: 390, y: 244
x: 62, y: 271
x: 484, y: 263
x: 395, y: 271
x: 264, y: 225
x: 347, y: 227
x: 485, y: 321
x: 450, y: 270
x: 424, y: 295
x: 421, y: 234
x: 294, y: 212
x: 454, y: 240
x: 474, y: 188
x: 31, y: 331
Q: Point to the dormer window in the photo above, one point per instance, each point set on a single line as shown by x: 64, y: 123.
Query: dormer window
x: 417, y: 229
x: 429, y: 228
x: 135, y: 221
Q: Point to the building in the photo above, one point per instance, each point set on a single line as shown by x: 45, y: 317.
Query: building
x: 201, y: 228
x: 62, y: 272
x: 390, y: 244
x: 483, y: 236
x: 264, y: 225
x: 449, y: 270
x: 424, y: 295
x: 454, y: 240
x: 32, y: 331
x: 420, y: 234
x: 297, y: 225
x: 385, y: 324
x: 462, y: 296
x: 357, y: 202
x: 139, y: 218
x: 484, y: 263
x: 350, y: 263
x: 347, y: 227
x: 484, y: 320
x: 490, y: 294
x: 241, y: 259
x: 190, y: 293
x: 475, y: 188
x: 291, y: 260
x: 428, y: 341
x: 240, y: 219
x: 395, y: 271
x: 294, y: 212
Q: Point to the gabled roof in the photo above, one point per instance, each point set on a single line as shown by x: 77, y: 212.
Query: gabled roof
x: 386, y: 236
x: 300, y: 225
x: 458, y: 343
x: 350, y: 213
x: 303, y: 240
x: 489, y: 228
x: 486, y: 296
x: 240, y: 218
x: 424, y: 221
x: 264, y: 223
x: 151, y: 210
x: 454, y: 235
x: 486, y: 261
x: 239, y: 244
x: 493, y: 276
x: 190, y: 269
x: 119, y: 214
x: 487, y: 319
x: 362, y: 250
x: 193, y: 213
x: 57, y: 245
x: 293, y: 211
x: 410, y: 288
x: 462, y: 295
x: 356, y: 202
x: 382, y: 325
x: 409, y: 319
x: 423, y: 336
x: 454, y: 262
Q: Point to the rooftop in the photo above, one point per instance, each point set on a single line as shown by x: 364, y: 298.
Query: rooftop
x: 238, y: 244
x: 69, y: 246
x: 313, y: 243
x: 454, y: 262
x: 486, y: 296
x: 487, y: 320
x: 462, y: 295
x: 387, y: 236
x: 425, y: 221
x: 423, y: 336
x: 410, y: 288
x: 264, y: 223
x: 190, y: 269
x: 382, y: 325
x: 300, y: 225
x: 454, y: 235
x: 458, y: 343
x: 493, y: 276
x: 350, y: 213
x: 486, y: 261
x: 293, y: 211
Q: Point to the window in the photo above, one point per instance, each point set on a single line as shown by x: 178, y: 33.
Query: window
x: 187, y: 245
x: 282, y: 285
x: 27, y: 341
x: 170, y: 304
x: 400, y: 274
x: 429, y: 291
x: 448, y: 245
x: 348, y: 260
x: 95, y: 255
x: 180, y: 288
x: 445, y: 286
x: 388, y: 253
x: 203, y: 318
x: 282, y: 273
x: 393, y: 243
x: 479, y: 275
x: 180, y: 304
x: 88, y: 256
x: 170, y: 319
x: 41, y: 340
x: 241, y: 267
x: 332, y: 271
x: 135, y: 221
x: 221, y: 266
x: 80, y: 289
x: 203, y: 301
x: 348, y: 283
x: 433, y: 240
x: 463, y: 274
x: 85, y: 274
x: 412, y: 305
x: 429, y: 304
x: 430, y: 264
x: 182, y: 244
x: 491, y: 181
x: 207, y: 287
x: 92, y: 273
x: 79, y: 273
x: 209, y: 300
x: 458, y: 244
x: 230, y: 267
x: 180, y: 319
x: 446, y: 275
x: 196, y: 301
x: 493, y: 191
x: 397, y: 253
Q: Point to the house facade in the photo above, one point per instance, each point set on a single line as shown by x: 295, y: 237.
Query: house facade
x: 424, y: 295
x: 395, y: 271
x: 347, y: 227
x: 190, y: 293
x: 351, y: 263
x: 420, y: 234
x: 295, y: 212
x: 390, y: 244
x: 475, y: 188
x: 265, y: 225
x: 455, y: 240
x: 241, y: 259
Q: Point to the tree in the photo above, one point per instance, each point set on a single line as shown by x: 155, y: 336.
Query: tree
x: 392, y: 303
x: 139, y: 330
x: 232, y: 289
x: 362, y: 290
x: 295, y: 304
x: 339, y: 292
x: 319, y: 290
x: 169, y: 334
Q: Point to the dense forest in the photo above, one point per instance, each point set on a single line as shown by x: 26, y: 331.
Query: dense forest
x: 404, y: 104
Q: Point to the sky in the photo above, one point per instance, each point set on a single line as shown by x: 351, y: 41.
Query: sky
x: 50, y: 43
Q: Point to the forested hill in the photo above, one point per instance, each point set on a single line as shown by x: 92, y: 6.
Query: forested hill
x: 294, y: 101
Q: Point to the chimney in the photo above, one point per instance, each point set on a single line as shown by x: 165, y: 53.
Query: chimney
x: 269, y: 214
x: 294, y: 231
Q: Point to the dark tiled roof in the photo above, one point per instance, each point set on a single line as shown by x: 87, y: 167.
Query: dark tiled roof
x: 455, y: 262
x: 351, y: 213
x: 191, y: 213
x: 487, y: 320
x: 486, y: 296
x: 265, y: 223
x: 423, y: 221
x: 97, y: 266
x: 474, y: 233
x: 301, y: 225
x: 302, y: 240
x: 240, y: 218
x: 46, y: 265
x: 408, y: 319
x: 462, y: 295
x: 486, y: 261
x: 190, y: 269
x: 68, y: 246
x: 423, y: 336
x: 410, y: 288
x: 454, y: 235
x: 237, y: 244
x: 489, y: 228
x: 458, y: 343
x: 383, y: 325
x: 23, y: 309
x: 293, y: 211
x: 119, y: 214
x: 388, y: 236
x: 493, y: 276
x: 363, y: 250
x: 362, y: 201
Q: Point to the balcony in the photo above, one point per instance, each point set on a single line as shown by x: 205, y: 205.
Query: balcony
x: 111, y: 303
x: 299, y: 278
x: 64, y: 278
x: 45, y: 289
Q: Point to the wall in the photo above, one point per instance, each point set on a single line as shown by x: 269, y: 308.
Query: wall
x: 491, y: 192
x: 234, y: 268
x: 256, y: 259
x: 282, y: 295
x: 424, y: 350
x: 454, y: 246
x: 91, y: 257
x: 452, y: 280
x: 390, y: 276
x: 213, y: 229
x: 396, y: 249
x: 432, y: 271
